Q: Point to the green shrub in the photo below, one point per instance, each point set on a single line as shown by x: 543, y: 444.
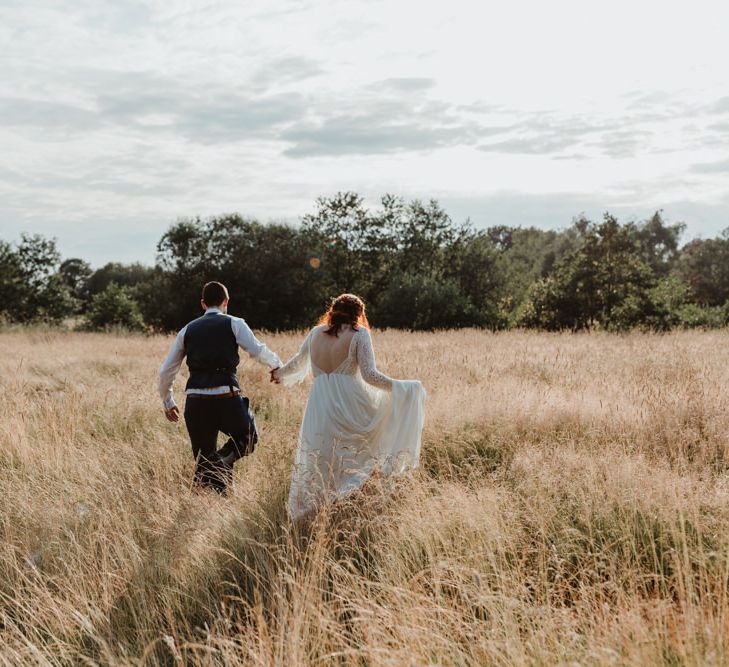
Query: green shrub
x: 423, y: 303
x: 114, y: 307
x: 691, y: 316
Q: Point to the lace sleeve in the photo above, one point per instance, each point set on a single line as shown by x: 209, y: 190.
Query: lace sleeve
x: 366, y: 361
x: 298, y: 367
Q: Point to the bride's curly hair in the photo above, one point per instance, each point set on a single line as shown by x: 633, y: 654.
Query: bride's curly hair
x: 345, y: 309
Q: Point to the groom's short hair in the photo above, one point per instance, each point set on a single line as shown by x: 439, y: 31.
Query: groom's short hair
x: 214, y: 293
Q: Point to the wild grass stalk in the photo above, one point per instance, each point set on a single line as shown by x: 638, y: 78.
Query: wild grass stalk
x: 572, y: 506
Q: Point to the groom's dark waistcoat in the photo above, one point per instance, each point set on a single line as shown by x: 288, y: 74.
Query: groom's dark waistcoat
x: 212, y: 352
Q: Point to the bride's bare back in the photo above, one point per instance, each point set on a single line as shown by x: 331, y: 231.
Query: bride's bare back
x: 328, y: 352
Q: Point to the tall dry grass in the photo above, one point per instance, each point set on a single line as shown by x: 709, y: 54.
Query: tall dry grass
x: 572, y: 507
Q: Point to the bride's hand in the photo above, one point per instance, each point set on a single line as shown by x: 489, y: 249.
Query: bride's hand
x: 274, y: 379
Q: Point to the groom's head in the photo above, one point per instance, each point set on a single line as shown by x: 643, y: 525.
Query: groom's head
x: 215, y: 295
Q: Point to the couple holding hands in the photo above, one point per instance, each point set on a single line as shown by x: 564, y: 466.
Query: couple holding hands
x: 357, y: 421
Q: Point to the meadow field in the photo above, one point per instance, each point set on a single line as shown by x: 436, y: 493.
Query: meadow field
x: 572, y: 507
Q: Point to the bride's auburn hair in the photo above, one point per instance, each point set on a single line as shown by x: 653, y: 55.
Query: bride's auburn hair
x: 345, y: 309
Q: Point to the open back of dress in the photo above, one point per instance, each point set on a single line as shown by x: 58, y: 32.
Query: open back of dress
x: 329, y: 352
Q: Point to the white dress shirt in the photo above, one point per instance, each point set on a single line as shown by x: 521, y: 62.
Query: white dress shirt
x: 243, y: 336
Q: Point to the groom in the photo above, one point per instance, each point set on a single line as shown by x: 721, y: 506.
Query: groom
x: 214, y: 401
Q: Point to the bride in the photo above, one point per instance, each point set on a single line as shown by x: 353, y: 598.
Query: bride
x: 357, y: 422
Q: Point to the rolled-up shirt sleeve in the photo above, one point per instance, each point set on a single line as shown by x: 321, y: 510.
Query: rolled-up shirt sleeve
x: 170, y: 368
x: 254, y: 347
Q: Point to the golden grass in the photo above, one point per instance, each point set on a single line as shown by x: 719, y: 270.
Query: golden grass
x: 572, y: 507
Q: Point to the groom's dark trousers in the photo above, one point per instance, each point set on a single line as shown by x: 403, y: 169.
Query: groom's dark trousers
x: 205, y: 416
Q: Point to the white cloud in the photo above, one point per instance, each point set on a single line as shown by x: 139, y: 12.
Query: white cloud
x: 720, y: 167
x: 118, y: 116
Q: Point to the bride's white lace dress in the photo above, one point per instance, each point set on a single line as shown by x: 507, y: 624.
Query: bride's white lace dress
x: 356, y: 420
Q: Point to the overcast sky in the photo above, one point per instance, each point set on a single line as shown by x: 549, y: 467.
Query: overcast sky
x: 119, y: 116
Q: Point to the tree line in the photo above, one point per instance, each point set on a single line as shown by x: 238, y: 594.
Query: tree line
x: 415, y: 267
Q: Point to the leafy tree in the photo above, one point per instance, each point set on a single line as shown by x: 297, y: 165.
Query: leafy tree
x: 11, y: 279
x: 273, y: 272
x: 75, y: 274
x: 603, y: 282
x: 124, y: 275
x: 545, y: 306
x: 41, y: 292
x: 668, y: 300
x: 525, y: 256
x: 270, y: 271
x: 114, y: 307
x: 414, y: 301
x: 475, y: 266
x: 363, y: 250
x: 704, y: 266
x: 414, y: 266
x: 670, y: 307
x: 426, y: 238
x: 184, y: 263
x: 354, y: 245
x: 659, y: 243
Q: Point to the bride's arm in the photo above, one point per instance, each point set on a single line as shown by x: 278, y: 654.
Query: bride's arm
x: 296, y: 368
x: 367, y: 365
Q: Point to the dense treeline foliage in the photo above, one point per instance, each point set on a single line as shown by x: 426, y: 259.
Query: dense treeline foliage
x: 414, y: 266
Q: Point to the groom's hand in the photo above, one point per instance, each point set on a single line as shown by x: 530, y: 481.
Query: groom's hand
x: 173, y: 414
